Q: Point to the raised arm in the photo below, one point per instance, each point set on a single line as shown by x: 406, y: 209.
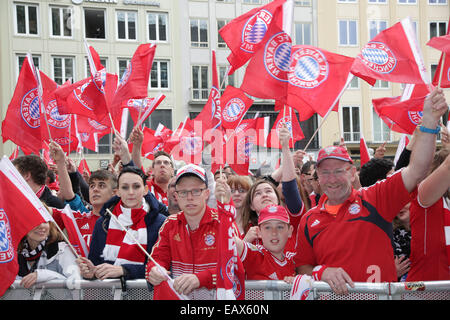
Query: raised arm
x: 65, y: 185
x: 435, y: 185
x: 422, y: 154
x: 120, y: 147
x: 137, y: 139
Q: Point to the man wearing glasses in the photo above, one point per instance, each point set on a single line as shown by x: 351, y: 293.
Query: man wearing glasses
x: 187, y: 241
x: 347, y: 236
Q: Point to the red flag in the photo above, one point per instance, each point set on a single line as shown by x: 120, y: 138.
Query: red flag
x: 143, y: 107
x: 440, y: 43
x: 89, y: 132
x: 363, y: 151
x: 266, y: 75
x: 392, y: 55
x: 22, y: 121
x: 290, y: 119
x: 14, y: 154
x: 234, y: 104
x: 316, y: 78
x: 83, y: 166
x: 155, y: 141
x: 400, y: 116
x: 20, y: 212
x: 93, y: 58
x: 244, y: 34
x: 210, y: 116
x: 73, y: 232
x: 230, y: 270
x: 189, y: 142
x: 442, y: 75
x: 134, y: 81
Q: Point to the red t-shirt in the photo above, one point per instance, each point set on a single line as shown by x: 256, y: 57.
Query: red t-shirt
x: 358, y: 238
x: 260, y: 264
x: 429, y: 257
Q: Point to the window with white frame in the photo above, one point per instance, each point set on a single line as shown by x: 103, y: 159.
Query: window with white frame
x: 375, y: 27
x: 199, y: 33
x: 224, y: 79
x: 157, y: 26
x: 61, y: 21
x: 377, y: 1
x: 94, y: 23
x: 87, y: 72
x: 437, y: 1
x: 348, y: 33
x: 26, y: 19
x: 351, y: 123
x: 303, y: 3
x: 21, y: 59
x: 407, y: 1
x: 354, y: 84
x: 220, y: 42
x: 251, y: 1
x: 438, y: 28
x: 303, y: 33
x: 126, y: 25
x: 63, y: 69
x: 381, y: 131
x: 122, y: 65
x: 347, y: 1
x: 381, y: 84
x: 159, y: 75
x: 200, y: 90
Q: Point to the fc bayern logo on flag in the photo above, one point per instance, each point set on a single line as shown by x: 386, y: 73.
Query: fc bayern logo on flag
x: 78, y: 93
x: 191, y: 145
x: 126, y: 75
x: 6, y: 245
x: 244, y: 147
x: 277, y: 55
x: 378, y: 57
x: 254, y: 30
x: 415, y: 116
x: 55, y: 119
x: 29, y: 108
x: 285, y: 120
x: 229, y: 270
x: 308, y: 69
x: 96, y: 125
x: 233, y: 109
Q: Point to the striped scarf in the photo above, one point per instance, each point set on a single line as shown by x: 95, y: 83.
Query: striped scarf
x: 120, y: 247
x: 31, y: 255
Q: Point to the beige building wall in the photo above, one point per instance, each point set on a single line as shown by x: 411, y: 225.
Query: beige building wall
x: 328, y: 15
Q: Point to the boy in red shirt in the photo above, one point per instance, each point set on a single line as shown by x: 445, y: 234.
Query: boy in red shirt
x: 269, y: 261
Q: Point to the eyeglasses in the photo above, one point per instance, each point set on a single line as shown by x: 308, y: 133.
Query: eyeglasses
x: 335, y: 173
x: 240, y: 190
x: 165, y: 162
x: 193, y: 192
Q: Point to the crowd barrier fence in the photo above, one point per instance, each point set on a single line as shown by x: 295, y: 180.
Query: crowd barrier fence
x: 114, y: 289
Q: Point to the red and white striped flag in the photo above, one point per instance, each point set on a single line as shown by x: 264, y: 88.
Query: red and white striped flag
x: 401, y: 146
x: 73, y: 232
x: 20, y: 211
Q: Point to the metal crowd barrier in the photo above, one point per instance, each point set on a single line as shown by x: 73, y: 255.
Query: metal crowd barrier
x: 111, y: 289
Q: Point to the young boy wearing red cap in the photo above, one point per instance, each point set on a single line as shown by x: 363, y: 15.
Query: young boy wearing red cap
x: 269, y: 261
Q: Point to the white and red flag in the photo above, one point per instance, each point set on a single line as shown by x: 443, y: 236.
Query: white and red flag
x: 363, y: 151
x: 442, y: 74
x: 73, y: 232
x: 285, y: 116
x: 230, y: 270
x: 188, y: 142
x: 315, y: 78
x: 244, y: 34
x: 83, y: 166
x: 235, y: 105
x: 393, y: 55
x: 141, y: 109
x: 20, y: 212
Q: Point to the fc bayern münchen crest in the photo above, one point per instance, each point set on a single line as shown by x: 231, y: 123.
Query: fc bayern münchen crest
x: 277, y: 55
x: 100, y: 80
x: 55, y: 119
x: 6, y: 245
x: 78, y: 92
x: 233, y: 109
x: 244, y: 147
x: 378, y: 57
x: 191, y: 145
x: 415, y: 116
x: 96, y: 125
x: 308, y: 69
x: 284, y: 120
x: 229, y: 270
x: 254, y: 30
x: 29, y: 108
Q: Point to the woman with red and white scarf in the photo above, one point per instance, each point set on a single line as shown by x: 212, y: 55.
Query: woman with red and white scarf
x: 113, y: 251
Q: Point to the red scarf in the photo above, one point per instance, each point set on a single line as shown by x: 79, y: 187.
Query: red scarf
x: 120, y: 247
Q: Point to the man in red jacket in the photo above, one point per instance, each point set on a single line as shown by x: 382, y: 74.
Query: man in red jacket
x: 187, y: 241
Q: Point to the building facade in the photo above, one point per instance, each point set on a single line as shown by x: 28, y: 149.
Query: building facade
x: 186, y: 31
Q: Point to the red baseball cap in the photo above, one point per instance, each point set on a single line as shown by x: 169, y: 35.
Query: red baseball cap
x: 192, y: 170
x: 333, y: 152
x: 273, y: 212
